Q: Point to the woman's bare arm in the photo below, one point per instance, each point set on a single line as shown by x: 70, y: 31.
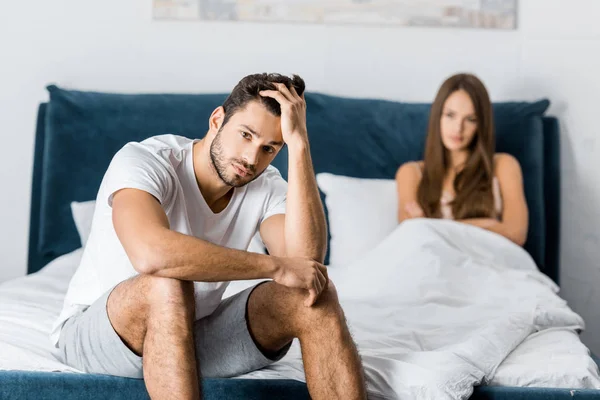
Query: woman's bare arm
x: 407, y: 183
x: 515, y: 215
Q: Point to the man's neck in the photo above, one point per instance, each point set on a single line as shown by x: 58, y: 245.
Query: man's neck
x: 213, y: 189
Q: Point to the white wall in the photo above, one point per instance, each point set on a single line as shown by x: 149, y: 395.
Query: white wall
x: 114, y: 45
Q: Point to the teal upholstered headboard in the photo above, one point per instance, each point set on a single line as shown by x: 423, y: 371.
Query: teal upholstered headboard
x: 79, y: 132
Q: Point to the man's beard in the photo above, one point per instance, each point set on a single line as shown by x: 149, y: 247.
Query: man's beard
x: 220, y: 165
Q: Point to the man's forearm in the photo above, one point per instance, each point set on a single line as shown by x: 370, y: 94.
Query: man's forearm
x: 305, y: 226
x: 174, y: 255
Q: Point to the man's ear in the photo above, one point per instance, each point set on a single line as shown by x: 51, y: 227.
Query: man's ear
x: 216, y: 119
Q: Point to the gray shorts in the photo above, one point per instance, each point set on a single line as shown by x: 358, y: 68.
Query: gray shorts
x: 224, y: 345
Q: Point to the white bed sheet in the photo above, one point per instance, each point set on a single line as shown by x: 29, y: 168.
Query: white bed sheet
x: 28, y: 307
x: 30, y: 304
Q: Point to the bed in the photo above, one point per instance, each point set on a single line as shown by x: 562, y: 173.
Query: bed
x: 77, y: 134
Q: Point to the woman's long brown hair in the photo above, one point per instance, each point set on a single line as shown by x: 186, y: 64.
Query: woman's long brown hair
x: 473, y: 183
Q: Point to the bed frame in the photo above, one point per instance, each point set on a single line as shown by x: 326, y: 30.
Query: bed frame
x: 24, y: 385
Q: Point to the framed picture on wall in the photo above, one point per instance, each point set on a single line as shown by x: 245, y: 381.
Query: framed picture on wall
x: 486, y: 14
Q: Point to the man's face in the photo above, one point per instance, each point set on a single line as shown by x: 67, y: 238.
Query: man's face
x: 244, y: 147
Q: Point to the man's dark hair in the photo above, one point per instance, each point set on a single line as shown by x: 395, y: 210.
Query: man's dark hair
x: 247, y: 90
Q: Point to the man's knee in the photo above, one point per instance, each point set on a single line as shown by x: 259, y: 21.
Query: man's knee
x: 136, y: 300
x: 329, y: 296
x: 168, y: 292
x: 326, y: 313
x: 326, y: 306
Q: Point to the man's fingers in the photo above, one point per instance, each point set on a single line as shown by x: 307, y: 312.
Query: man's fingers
x: 312, y: 297
x: 286, y: 92
x: 323, y: 270
x: 295, y: 94
x: 318, y: 287
x: 275, y: 94
x: 322, y: 280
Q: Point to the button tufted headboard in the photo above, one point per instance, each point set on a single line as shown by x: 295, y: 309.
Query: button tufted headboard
x: 79, y: 132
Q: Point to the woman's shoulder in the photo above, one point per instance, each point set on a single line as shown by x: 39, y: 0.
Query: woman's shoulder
x: 410, y: 169
x: 409, y: 174
x: 504, y: 158
x: 505, y: 164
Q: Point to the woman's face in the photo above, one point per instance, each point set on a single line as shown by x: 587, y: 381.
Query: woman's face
x: 458, y: 123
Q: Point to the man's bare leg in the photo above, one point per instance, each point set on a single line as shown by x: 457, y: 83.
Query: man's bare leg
x: 332, y: 365
x: 154, y: 318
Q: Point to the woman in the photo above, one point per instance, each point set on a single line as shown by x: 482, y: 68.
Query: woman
x: 461, y: 177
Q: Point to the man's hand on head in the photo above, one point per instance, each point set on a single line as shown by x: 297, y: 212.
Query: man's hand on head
x: 293, y: 114
x: 303, y: 232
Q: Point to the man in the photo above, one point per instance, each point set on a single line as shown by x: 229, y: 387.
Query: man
x: 173, y: 219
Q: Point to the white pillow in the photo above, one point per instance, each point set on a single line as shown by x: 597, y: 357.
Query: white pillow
x: 362, y: 212
x: 83, y: 214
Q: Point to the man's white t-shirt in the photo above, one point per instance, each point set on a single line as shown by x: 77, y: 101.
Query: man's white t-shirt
x: 164, y: 167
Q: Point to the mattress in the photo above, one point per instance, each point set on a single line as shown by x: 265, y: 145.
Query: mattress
x: 554, y: 358
x: 61, y: 386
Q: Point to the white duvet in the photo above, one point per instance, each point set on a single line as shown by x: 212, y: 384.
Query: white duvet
x: 438, y: 305
x: 435, y: 309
